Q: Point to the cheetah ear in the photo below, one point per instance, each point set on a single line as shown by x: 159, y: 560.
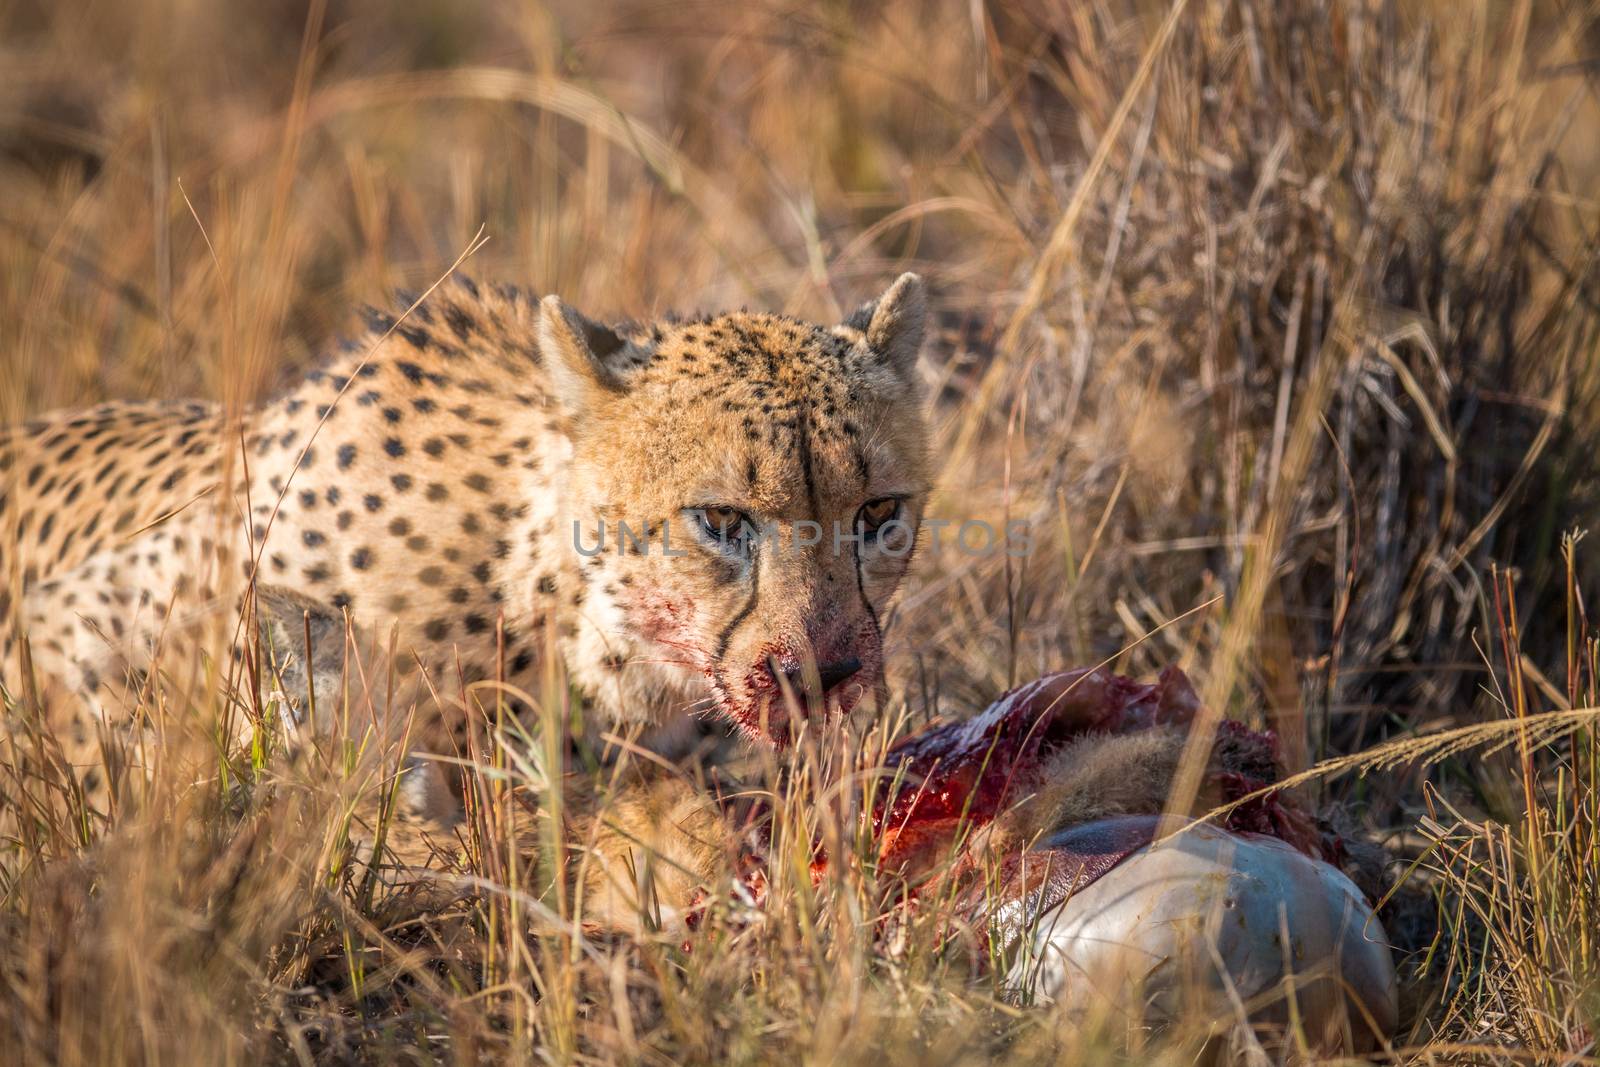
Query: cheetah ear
x: 894, y: 323
x: 584, y: 359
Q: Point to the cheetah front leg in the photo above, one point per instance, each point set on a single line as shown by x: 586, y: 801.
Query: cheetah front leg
x: 91, y: 632
x: 153, y: 621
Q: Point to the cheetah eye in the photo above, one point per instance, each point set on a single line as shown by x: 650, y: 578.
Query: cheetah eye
x: 875, y: 514
x: 727, y: 526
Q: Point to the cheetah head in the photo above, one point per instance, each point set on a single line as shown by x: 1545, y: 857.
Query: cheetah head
x: 742, y: 503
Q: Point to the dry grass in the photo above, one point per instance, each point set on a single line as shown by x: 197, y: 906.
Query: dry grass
x: 1293, y: 305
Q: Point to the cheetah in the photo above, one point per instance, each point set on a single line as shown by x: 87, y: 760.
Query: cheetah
x: 703, y: 517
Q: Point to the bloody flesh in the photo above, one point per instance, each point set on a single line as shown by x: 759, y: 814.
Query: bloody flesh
x: 954, y: 778
x: 964, y: 774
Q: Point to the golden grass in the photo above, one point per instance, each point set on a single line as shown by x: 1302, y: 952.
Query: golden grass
x: 1288, y: 306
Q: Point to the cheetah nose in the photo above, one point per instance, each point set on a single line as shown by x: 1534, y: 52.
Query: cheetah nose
x: 830, y: 675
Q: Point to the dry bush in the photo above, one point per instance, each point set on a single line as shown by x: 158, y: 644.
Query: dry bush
x: 1276, y: 322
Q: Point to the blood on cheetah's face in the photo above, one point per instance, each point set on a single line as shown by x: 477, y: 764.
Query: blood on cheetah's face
x: 770, y: 474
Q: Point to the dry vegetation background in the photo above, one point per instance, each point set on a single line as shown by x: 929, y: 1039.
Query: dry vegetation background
x: 1285, y: 312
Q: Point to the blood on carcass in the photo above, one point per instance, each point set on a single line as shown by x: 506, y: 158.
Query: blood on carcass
x: 953, y: 779
x: 964, y: 774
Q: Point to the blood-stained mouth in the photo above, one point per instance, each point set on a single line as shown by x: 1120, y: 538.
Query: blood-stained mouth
x: 769, y: 694
x: 769, y: 711
x: 764, y: 717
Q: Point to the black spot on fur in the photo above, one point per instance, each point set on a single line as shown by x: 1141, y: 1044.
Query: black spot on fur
x: 377, y: 321
x: 458, y: 320
x: 416, y: 336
